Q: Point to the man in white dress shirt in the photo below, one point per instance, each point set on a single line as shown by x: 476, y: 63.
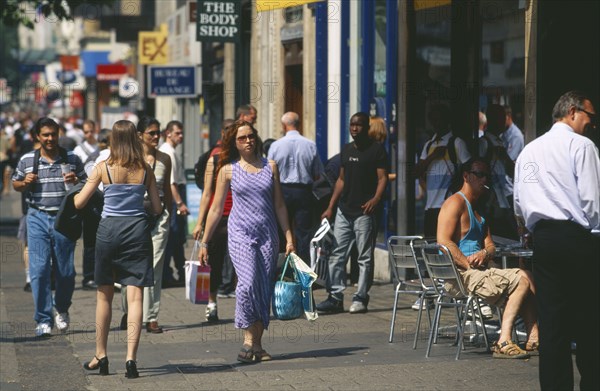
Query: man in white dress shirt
x: 557, y: 197
x: 179, y: 212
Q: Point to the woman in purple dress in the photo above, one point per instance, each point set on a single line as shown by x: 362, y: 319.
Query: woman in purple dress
x: 253, y: 239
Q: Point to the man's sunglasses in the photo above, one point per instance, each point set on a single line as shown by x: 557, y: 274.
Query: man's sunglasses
x: 153, y: 133
x: 480, y: 174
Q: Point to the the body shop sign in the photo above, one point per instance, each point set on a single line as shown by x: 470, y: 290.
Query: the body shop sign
x: 218, y: 21
x: 172, y: 81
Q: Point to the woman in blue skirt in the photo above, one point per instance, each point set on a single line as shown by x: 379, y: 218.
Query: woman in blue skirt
x: 123, y: 243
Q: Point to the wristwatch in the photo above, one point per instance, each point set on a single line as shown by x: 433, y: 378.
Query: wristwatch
x: 179, y: 203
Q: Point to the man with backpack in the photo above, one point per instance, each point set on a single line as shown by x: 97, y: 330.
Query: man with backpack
x: 40, y: 173
x: 438, y: 163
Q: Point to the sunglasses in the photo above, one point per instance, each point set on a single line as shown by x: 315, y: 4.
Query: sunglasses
x: 246, y: 138
x: 591, y: 115
x: 153, y: 133
x: 480, y: 174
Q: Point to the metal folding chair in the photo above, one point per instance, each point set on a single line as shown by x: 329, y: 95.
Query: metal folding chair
x: 404, y: 253
x: 442, y: 269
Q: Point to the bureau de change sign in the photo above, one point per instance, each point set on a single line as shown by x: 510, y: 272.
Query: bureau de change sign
x: 218, y: 21
x: 174, y: 81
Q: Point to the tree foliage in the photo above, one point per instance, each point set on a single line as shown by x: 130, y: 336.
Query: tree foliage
x: 14, y: 13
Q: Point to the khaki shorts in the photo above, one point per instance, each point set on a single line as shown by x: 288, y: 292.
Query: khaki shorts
x: 492, y: 285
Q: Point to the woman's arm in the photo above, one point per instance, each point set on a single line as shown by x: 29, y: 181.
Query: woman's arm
x: 216, y: 211
x: 81, y: 199
x: 281, y: 210
x: 207, y: 193
x: 153, y: 191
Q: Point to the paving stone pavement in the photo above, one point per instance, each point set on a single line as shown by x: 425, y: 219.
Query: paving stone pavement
x: 336, y: 352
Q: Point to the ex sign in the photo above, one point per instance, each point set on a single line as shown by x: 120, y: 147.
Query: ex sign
x: 218, y: 21
x: 179, y: 82
x: 152, y: 46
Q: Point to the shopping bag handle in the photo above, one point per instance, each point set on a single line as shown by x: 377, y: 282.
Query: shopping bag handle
x: 287, y: 260
x: 194, y: 255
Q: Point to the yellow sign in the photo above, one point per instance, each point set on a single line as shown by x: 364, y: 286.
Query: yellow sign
x: 152, y: 46
x: 268, y: 5
x: 424, y: 4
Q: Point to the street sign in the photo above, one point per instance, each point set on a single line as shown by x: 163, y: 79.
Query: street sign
x: 218, y: 21
x: 174, y: 81
x: 152, y: 46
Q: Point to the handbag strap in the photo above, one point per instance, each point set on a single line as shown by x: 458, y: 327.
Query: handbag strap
x: 287, y: 260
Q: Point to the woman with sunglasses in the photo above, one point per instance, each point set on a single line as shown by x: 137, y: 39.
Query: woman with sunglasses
x: 123, y: 242
x: 253, y: 240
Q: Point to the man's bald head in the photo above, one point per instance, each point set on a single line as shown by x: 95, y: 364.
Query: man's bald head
x: 290, y: 121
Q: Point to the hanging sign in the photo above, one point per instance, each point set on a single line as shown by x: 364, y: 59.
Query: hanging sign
x: 218, y: 21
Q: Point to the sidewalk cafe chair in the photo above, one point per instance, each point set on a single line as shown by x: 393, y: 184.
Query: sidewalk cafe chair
x: 442, y: 269
x: 404, y: 253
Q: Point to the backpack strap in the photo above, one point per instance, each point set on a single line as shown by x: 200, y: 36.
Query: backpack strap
x: 36, y: 161
x: 451, y: 146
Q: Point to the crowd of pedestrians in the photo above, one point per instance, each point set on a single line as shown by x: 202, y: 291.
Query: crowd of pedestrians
x: 260, y: 200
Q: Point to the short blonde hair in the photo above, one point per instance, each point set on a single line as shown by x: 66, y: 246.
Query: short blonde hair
x: 377, y: 129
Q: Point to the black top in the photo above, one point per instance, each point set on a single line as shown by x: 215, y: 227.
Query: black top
x: 360, y: 175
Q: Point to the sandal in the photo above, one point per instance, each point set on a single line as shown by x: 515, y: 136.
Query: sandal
x: 511, y: 350
x: 262, y: 355
x: 533, y: 348
x: 246, y: 355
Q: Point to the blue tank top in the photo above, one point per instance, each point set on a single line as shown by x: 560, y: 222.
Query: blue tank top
x: 123, y: 199
x: 471, y: 242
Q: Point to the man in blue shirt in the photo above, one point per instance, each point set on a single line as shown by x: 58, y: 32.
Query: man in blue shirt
x: 299, y: 165
x: 46, y: 185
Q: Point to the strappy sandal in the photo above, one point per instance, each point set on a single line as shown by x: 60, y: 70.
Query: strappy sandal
x: 533, y: 348
x: 262, y: 355
x: 511, y: 350
x: 246, y: 355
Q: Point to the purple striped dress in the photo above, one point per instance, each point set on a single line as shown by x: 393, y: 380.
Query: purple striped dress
x: 253, y: 243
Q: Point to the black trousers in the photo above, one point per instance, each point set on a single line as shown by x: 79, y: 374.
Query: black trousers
x: 565, y: 269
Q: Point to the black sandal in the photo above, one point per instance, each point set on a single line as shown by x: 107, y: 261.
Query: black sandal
x: 246, y: 355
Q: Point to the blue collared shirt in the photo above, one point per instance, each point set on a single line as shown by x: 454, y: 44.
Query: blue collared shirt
x: 297, y: 158
x: 49, y: 190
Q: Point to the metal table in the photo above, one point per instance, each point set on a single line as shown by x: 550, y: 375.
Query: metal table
x: 510, y: 248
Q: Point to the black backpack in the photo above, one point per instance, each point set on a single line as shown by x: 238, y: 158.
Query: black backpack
x: 200, y: 167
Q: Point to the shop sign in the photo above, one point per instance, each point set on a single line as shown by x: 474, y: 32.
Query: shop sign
x: 108, y: 72
x: 152, y: 46
x: 172, y: 81
x: 218, y: 21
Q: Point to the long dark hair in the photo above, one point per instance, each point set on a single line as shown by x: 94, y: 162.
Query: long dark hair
x: 229, y: 151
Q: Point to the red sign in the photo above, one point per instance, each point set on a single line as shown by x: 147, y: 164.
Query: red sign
x: 77, y: 99
x: 69, y: 63
x: 109, y: 72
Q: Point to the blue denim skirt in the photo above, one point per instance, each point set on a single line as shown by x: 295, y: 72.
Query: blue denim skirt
x: 124, y: 252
